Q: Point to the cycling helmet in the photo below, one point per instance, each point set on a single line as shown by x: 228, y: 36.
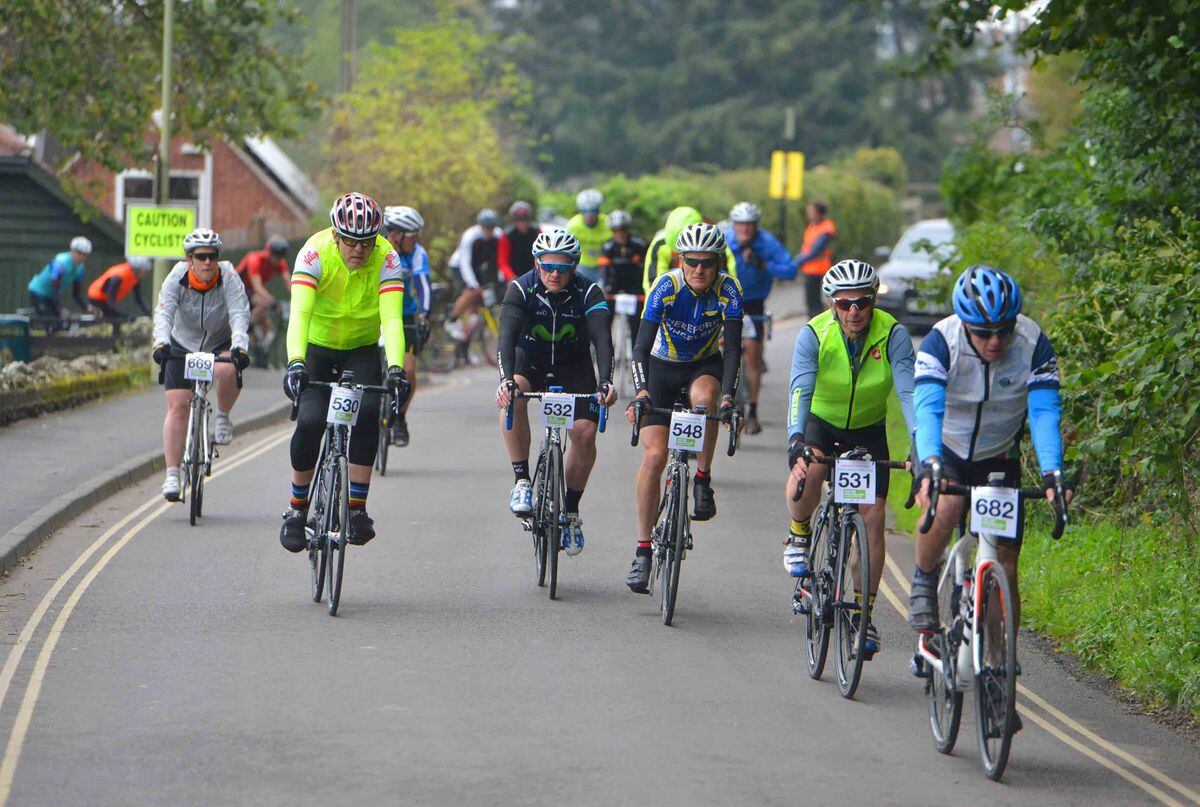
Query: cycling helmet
x: 560, y: 241
x: 81, y: 244
x: 141, y: 263
x: 986, y: 297
x: 278, y: 245
x: 488, y: 218
x: 849, y: 274
x: 618, y: 219
x: 403, y: 218
x: 520, y: 210
x: 745, y: 213
x: 589, y: 201
x: 700, y: 237
x: 201, y: 237
x: 356, y: 215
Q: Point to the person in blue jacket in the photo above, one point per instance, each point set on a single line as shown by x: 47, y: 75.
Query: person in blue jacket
x: 64, y: 269
x: 760, y: 260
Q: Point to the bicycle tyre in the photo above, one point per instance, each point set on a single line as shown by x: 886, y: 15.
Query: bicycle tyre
x: 816, y: 631
x: 850, y: 642
x: 995, y: 688
x: 489, y: 340
x: 944, y: 697
x: 194, y: 470
x: 385, y: 438
x: 313, y: 526
x: 338, y: 519
x: 539, y: 521
x: 555, y: 493
x: 677, y: 519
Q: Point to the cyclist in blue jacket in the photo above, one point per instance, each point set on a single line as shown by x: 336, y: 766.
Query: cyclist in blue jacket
x: 761, y: 259
x: 402, y: 227
x: 64, y: 269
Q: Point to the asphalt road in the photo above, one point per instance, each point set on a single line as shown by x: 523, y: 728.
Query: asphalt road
x: 148, y: 662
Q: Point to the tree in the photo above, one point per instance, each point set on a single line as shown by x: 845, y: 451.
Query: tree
x: 88, y: 72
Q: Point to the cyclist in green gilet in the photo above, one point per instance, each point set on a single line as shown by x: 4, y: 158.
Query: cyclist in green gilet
x: 846, y: 363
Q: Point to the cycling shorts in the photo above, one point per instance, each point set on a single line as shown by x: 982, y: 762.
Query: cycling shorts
x: 756, y: 309
x: 575, y: 376
x: 830, y: 439
x: 670, y: 382
x: 173, y: 369
x: 976, y: 472
x: 412, y: 343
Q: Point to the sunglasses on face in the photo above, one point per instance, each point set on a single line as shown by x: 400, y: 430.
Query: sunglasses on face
x: 705, y: 263
x: 204, y: 257
x: 356, y: 243
x: 1002, y: 332
x: 847, y: 303
x: 556, y: 268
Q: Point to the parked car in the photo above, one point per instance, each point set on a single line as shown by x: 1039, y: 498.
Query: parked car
x: 912, y: 259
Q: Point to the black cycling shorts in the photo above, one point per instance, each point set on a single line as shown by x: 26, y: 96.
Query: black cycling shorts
x: 173, y: 369
x: 832, y: 440
x: 756, y: 310
x: 411, y: 343
x: 670, y: 382
x: 576, y: 376
x: 976, y: 473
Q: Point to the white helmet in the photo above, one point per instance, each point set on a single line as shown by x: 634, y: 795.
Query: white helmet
x: 701, y: 237
x: 589, y: 201
x: 403, y: 218
x: 745, y: 213
x: 555, y: 240
x: 849, y: 274
x: 81, y: 244
x: 201, y: 237
x: 618, y: 219
x: 140, y: 263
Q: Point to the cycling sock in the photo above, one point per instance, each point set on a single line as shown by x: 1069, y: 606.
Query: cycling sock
x: 521, y: 470
x: 573, y: 497
x: 870, y: 599
x: 643, y: 549
x: 801, y: 529
x: 704, y: 477
x: 753, y: 410
x: 221, y: 414
x: 300, y: 496
x: 928, y: 578
x: 358, y: 495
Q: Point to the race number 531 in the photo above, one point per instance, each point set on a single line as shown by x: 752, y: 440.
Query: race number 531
x: 558, y: 410
x: 686, y: 431
x: 994, y: 511
x: 854, y: 482
x: 343, y: 406
x: 199, y: 366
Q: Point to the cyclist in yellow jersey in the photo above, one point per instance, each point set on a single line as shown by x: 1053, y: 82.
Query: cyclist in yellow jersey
x: 591, y: 231
x: 346, y: 289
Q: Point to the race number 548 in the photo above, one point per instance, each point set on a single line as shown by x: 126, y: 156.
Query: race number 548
x: 686, y: 431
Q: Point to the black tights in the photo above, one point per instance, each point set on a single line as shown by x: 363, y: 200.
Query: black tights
x: 327, y: 365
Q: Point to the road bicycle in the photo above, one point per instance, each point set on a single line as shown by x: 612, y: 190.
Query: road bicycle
x: 832, y: 597
x: 671, y: 537
x: 625, y: 307
x: 547, y: 519
x: 329, y: 518
x: 976, y: 646
x: 198, y: 448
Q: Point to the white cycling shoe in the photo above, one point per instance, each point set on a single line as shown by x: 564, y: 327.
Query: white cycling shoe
x: 572, y: 535
x: 223, y: 431
x: 520, y: 503
x: 795, y: 556
x: 170, y: 485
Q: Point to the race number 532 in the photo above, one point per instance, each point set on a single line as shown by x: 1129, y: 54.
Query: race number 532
x: 558, y: 410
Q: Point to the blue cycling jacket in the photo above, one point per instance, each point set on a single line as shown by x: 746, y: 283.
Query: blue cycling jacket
x: 769, y: 260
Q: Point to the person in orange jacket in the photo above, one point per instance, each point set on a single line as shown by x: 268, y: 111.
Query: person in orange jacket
x: 816, y: 253
x: 115, y: 284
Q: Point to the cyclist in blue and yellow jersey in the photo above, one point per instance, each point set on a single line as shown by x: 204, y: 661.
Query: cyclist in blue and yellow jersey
x: 64, y: 269
x: 689, y: 312
x: 591, y: 231
x: 661, y: 256
x: 848, y: 360
x: 402, y: 227
x: 347, y: 287
x: 761, y: 259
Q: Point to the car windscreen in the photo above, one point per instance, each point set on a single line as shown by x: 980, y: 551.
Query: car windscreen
x: 912, y: 245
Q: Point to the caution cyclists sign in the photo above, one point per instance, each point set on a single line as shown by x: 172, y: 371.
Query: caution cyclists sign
x: 157, y: 232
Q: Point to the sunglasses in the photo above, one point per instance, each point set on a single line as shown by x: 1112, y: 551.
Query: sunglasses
x: 356, y: 243
x: 706, y: 263
x: 1002, y: 332
x: 204, y: 257
x: 847, y: 303
x: 556, y: 268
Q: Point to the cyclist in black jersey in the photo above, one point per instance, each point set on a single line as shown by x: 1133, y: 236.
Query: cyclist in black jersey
x: 622, y: 261
x: 550, y: 320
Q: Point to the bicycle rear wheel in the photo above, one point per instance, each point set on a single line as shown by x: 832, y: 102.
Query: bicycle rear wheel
x: 555, y: 509
x: 488, y: 338
x: 816, y: 629
x: 676, y: 537
x: 337, y: 520
x: 850, y: 642
x: 996, y: 680
x: 540, y: 543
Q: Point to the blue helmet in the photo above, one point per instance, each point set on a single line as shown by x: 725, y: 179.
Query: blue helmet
x: 986, y: 297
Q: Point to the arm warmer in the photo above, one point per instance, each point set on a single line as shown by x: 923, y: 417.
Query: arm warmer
x: 391, y: 323
x: 929, y: 398
x: 237, y: 307
x: 137, y: 298
x: 1045, y: 418
x: 503, y: 251
x: 731, y: 334
x: 512, y: 319
x: 903, y: 361
x: 641, y: 351
x: 164, y: 314
x: 804, y: 381
x: 304, y: 298
x: 599, y: 322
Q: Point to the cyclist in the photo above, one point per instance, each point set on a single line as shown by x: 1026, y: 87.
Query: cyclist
x: 981, y: 373
x: 115, y: 284
x: 202, y: 307
x: 402, y: 226
x: 621, y: 262
x: 65, y: 268
x: 661, y: 256
x: 688, y: 312
x: 346, y: 289
x: 514, y: 253
x: 760, y: 260
x: 549, y: 319
x: 847, y: 361
x: 592, y: 232
x: 474, y: 262
x: 256, y: 270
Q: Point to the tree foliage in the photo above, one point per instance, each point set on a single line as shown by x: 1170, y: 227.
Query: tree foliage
x: 89, y: 73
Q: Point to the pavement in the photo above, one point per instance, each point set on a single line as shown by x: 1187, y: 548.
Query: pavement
x: 149, y: 662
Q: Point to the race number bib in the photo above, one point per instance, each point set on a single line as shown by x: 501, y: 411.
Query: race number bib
x: 749, y: 327
x: 994, y: 511
x: 687, y: 431
x: 343, y: 406
x: 489, y: 296
x: 625, y: 304
x: 854, y: 482
x: 558, y: 410
x: 199, y: 366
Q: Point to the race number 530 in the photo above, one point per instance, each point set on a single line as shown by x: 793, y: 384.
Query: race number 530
x: 343, y: 406
x: 994, y: 511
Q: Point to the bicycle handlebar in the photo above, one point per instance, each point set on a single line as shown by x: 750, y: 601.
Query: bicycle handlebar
x: 645, y: 409
x: 508, y: 412
x: 810, y: 457
x: 937, y: 487
x: 179, y: 353
x: 372, y: 388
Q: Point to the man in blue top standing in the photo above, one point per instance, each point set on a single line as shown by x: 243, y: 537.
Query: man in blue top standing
x: 760, y: 260
x: 66, y: 268
x: 401, y: 227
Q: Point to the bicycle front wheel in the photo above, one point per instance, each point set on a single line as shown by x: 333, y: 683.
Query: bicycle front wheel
x: 816, y: 596
x: 489, y: 337
x: 944, y: 697
x: 318, y: 544
x: 540, y: 544
x: 555, y: 509
x: 852, y: 603
x: 996, y: 678
x: 676, y: 537
x: 385, y: 437
x: 195, y: 464
x: 337, y: 520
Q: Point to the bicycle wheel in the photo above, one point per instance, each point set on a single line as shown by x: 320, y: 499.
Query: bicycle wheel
x: 538, y: 526
x: 555, y: 509
x: 816, y: 629
x: 850, y: 642
x: 675, y: 539
x: 195, y: 467
x: 996, y: 680
x: 489, y: 336
x: 337, y: 520
x: 385, y: 437
x: 317, y: 543
x: 942, y: 693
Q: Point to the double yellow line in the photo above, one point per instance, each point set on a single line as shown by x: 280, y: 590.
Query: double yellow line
x: 1087, y: 742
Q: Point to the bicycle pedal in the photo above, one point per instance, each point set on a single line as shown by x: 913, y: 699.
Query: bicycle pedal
x: 917, y: 668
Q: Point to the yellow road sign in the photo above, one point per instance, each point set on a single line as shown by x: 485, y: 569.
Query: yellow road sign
x: 795, y: 174
x: 778, y: 177
x: 157, y: 232
x: 787, y: 175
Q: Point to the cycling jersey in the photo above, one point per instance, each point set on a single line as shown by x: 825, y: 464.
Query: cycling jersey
x: 621, y: 266
x: 554, y: 329
x: 340, y: 308
x: 514, y: 253
x: 261, y: 264
x: 59, y: 272
x: 977, y: 409
x: 414, y: 271
x: 769, y: 259
x: 688, y: 327
x: 202, y: 320
x: 591, y: 241
x: 462, y: 260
